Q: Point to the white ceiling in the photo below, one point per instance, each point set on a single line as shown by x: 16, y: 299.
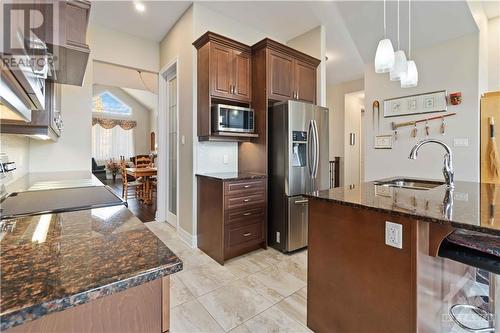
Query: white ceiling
x: 152, y: 24
x: 491, y: 8
x: 144, y: 97
x: 353, y: 28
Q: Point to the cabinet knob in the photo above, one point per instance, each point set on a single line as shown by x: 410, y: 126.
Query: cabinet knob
x: 247, y: 186
x: 247, y: 234
x: 246, y: 200
x: 247, y: 214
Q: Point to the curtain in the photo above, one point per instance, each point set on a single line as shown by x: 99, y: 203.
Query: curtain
x: 112, y: 143
x: 110, y: 123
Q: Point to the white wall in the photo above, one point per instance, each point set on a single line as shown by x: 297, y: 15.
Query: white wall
x: 313, y: 43
x: 452, y: 66
x: 139, y: 113
x: 17, y: 149
x: 494, y: 54
x: 74, y: 149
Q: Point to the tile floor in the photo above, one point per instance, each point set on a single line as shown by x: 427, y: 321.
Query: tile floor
x: 263, y: 291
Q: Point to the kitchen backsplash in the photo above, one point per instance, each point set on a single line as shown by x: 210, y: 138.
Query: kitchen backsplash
x: 17, y: 149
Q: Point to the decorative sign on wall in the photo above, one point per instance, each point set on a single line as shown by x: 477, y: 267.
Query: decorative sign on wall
x: 415, y: 104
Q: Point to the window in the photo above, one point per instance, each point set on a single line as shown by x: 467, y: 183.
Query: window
x: 106, y: 102
x: 112, y: 143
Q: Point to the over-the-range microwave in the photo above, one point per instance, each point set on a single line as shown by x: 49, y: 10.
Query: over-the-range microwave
x: 230, y: 118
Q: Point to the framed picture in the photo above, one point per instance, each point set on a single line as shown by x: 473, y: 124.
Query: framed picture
x: 415, y: 104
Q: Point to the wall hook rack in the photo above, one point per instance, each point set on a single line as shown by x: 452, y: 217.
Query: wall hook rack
x: 395, y: 125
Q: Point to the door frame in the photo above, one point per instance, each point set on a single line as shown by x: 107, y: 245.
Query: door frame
x: 166, y: 72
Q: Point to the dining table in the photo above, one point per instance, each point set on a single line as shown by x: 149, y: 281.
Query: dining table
x: 145, y: 173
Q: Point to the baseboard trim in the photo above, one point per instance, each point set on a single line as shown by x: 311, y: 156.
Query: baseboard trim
x: 189, y: 239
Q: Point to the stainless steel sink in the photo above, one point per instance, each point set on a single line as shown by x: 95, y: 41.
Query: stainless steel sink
x: 415, y: 184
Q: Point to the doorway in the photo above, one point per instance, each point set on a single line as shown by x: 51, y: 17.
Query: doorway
x: 169, y: 126
x: 353, y: 139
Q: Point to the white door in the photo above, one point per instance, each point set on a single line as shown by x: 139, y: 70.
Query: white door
x: 172, y: 141
x: 354, y: 103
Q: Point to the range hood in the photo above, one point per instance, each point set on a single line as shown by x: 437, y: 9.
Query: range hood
x: 14, y: 101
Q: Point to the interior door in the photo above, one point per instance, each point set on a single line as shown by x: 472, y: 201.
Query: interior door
x: 221, y: 71
x: 300, y: 136
x: 280, y: 76
x: 242, y: 77
x: 305, y: 82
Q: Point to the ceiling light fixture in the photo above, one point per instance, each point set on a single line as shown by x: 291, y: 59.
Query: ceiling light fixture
x: 400, y: 63
x: 139, y: 7
x: 410, y: 78
x: 384, y: 57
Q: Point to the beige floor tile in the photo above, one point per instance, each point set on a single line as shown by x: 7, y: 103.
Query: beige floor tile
x: 269, y: 256
x: 269, y: 293
x: 279, y: 280
x: 245, y: 265
x: 297, y: 266
x: 295, y: 307
x: 275, y: 321
x: 193, y: 258
x: 205, y: 278
x: 302, y: 293
x: 179, y: 293
x: 191, y: 317
x: 233, y: 304
x: 240, y: 329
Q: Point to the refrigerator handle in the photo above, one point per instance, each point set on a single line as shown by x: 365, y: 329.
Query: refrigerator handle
x: 310, y: 138
x: 316, y: 149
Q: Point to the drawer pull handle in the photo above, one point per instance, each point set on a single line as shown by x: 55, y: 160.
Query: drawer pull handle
x: 246, y: 200
x: 298, y: 202
x: 247, y: 186
x: 247, y: 214
x: 247, y: 234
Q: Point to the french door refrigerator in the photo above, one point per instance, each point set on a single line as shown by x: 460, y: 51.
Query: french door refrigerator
x: 298, y: 164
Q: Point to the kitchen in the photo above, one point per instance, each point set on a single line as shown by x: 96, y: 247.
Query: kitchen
x: 205, y: 292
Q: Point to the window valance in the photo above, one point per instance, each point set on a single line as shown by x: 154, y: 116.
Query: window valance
x: 110, y: 123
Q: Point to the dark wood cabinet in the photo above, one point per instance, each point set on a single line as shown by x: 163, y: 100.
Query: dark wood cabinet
x: 281, y: 76
x: 232, y: 216
x: 305, y: 81
x: 45, y: 124
x: 224, y: 70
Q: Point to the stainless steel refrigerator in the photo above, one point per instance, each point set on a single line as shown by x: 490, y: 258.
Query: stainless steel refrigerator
x: 298, y: 164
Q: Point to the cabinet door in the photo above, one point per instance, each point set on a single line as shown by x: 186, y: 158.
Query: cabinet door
x: 280, y: 76
x: 305, y: 82
x: 242, y: 76
x: 221, y: 71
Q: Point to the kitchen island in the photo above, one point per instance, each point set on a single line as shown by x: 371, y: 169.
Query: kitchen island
x: 358, y: 283
x: 95, y: 270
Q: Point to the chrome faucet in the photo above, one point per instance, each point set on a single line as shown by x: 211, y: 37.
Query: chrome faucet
x: 448, y: 172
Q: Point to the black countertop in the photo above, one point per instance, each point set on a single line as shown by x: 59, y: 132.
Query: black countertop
x: 230, y: 176
x: 471, y: 206
x: 52, y: 262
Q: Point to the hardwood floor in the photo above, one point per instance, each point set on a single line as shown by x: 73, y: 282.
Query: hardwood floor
x: 145, y: 213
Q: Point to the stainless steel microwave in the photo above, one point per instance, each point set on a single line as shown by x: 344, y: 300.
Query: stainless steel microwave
x: 230, y: 118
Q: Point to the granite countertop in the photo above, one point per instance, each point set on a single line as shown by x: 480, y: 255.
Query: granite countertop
x: 229, y: 176
x: 53, y: 262
x: 471, y: 206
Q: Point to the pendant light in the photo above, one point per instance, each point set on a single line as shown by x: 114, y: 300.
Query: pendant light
x: 400, y: 63
x: 384, y: 57
x: 410, y: 78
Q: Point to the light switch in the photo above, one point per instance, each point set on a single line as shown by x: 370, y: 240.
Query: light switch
x: 226, y: 159
x: 183, y: 139
x: 394, y: 234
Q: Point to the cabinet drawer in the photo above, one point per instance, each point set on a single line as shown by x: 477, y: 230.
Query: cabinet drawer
x: 256, y: 214
x: 245, y: 201
x: 244, y: 234
x: 244, y: 187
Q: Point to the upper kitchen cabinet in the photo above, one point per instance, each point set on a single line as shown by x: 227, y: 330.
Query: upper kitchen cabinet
x: 224, y: 67
x: 290, y: 74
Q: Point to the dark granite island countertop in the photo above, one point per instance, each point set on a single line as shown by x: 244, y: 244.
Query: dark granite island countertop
x: 232, y: 176
x: 472, y: 206
x: 54, y: 262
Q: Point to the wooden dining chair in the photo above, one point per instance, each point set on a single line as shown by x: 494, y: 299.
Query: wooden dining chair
x: 142, y: 162
x: 136, y: 186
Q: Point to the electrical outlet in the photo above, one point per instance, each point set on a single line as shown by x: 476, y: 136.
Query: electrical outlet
x: 278, y: 237
x: 394, y: 234
x: 461, y: 142
x: 225, y: 159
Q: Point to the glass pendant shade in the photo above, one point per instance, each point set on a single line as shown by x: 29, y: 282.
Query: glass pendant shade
x: 410, y: 78
x: 384, y: 58
x: 400, y: 66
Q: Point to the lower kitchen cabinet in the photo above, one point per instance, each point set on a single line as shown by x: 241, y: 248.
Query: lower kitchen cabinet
x: 232, y: 216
